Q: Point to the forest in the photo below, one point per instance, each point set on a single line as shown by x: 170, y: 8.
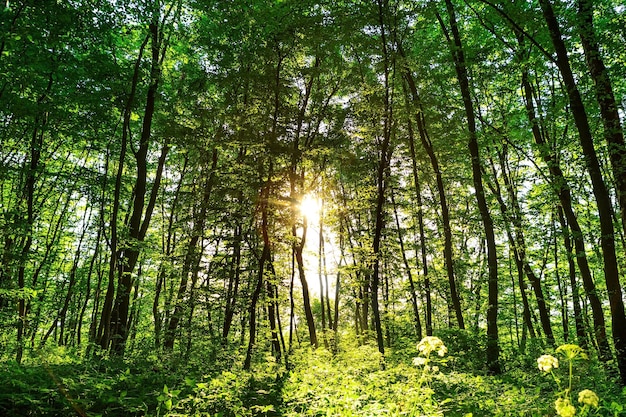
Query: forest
x: 312, y: 208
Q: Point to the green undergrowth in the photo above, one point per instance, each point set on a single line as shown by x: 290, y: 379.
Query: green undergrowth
x: 438, y: 377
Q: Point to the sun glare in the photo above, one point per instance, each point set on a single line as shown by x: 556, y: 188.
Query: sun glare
x: 310, y: 207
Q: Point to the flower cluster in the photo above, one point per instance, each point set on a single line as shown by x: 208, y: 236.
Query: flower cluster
x: 588, y: 397
x: 564, y: 408
x: 571, y: 351
x: 431, y: 344
x: 419, y: 361
x: 547, y: 362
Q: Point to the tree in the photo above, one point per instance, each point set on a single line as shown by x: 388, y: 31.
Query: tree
x: 607, y: 238
x: 456, y: 48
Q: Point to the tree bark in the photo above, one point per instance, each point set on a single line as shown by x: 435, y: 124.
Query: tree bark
x: 579, y: 322
x: 542, y: 305
x: 407, y: 268
x: 192, y: 255
x: 105, y: 327
x: 263, y: 261
x: 605, y: 97
x: 443, y: 201
x: 518, y: 258
x: 603, y: 202
x: 562, y: 189
x: 233, y: 283
x: 456, y: 48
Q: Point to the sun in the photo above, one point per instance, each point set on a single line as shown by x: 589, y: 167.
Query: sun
x: 311, y: 207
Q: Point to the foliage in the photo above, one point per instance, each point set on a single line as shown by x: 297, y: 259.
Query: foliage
x: 155, y: 260
x: 353, y: 382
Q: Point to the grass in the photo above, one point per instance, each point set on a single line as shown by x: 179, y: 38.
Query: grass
x: 353, y: 381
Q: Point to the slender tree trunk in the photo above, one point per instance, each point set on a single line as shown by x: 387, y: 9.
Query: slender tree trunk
x: 292, y: 305
x: 407, y: 268
x: 337, y: 294
x: 105, y: 327
x: 137, y: 232
x: 562, y: 288
x: 233, y: 283
x: 327, y: 290
x: 296, y: 183
x: 92, y: 262
x: 493, y: 348
x: 613, y: 132
x: 141, y: 214
x: 252, y: 309
x: 563, y: 192
x: 443, y: 201
x: 542, y: 306
x: 381, y: 180
x: 617, y: 154
x: 320, y: 276
x: 263, y: 261
x: 192, y: 255
x: 272, y: 314
x: 28, y: 197
x: 279, y: 324
x: 579, y: 322
x: 306, y: 297
x: 518, y: 258
x: 62, y: 315
x: 168, y: 250
x: 603, y: 201
x: 424, y: 259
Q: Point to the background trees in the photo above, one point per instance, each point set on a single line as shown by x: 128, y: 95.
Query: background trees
x: 155, y: 157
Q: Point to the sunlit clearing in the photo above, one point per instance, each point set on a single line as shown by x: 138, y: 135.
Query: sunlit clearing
x: 310, y: 208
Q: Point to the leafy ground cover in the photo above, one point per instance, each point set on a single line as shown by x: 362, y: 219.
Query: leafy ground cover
x: 438, y: 377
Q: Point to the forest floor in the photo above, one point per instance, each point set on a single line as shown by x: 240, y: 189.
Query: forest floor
x: 351, y: 381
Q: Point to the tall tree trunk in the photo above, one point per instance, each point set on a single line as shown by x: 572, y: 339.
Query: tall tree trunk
x: 562, y: 288
x: 407, y: 268
x: 443, y: 201
x: 613, y: 132
x: 141, y: 213
x: 296, y: 183
x: 263, y: 261
x: 381, y: 180
x: 320, y: 276
x: 514, y: 244
x: 422, y: 245
x: 520, y: 240
x: 272, y: 313
x: 579, y: 322
x: 617, y: 154
x: 563, y: 192
x: 192, y: 255
x: 306, y: 297
x: 603, y: 201
x: 105, y: 327
x: 61, y: 317
x: 168, y: 250
x: 137, y: 232
x: 233, y: 283
x: 81, y: 315
x: 29, y: 196
x: 456, y: 48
